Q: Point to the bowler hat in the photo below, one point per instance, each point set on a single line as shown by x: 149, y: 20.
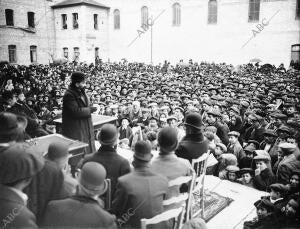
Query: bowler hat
x: 167, y: 139
x: 19, y: 162
x: 142, y: 151
x: 92, y: 178
x: 108, y: 134
x: 12, y: 124
x: 193, y: 120
x: 57, y: 150
x: 77, y: 77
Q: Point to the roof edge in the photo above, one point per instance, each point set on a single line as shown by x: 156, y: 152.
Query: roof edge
x: 78, y: 4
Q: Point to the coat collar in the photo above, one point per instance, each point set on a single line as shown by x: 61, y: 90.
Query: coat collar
x: 7, y: 193
x: 79, y: 95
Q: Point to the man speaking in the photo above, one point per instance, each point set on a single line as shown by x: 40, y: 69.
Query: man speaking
x: 76, y: 114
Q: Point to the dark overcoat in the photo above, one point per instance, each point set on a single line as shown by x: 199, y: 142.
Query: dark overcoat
x: 76, y: 118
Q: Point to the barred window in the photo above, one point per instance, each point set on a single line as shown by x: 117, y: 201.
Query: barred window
x: 254, y: 8
x: 144, y: 16
x: 117, y: 19
x: 212, y: 12
x: 176, y: 14
x: 12, y: 54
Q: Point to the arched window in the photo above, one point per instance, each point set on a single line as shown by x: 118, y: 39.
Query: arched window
x: 176, y: 14
x: 144, y: 16
x: 117, y: 19
x: 254, y: 8
x: 212, y: 12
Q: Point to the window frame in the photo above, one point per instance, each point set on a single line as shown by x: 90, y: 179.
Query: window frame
x: 7, y: 14
x: 66, y: 50
x: 64, y: 21
x: 253, y: 13
x: 31, y: 21
x: 75, y: 17
x: 33, y: 50
x: 12, y: 48
x: 212, y: 15
x: 117, y: 19
x: 176, y: 14
x: 76, y: 50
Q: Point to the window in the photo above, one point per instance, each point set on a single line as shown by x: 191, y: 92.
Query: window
x: 176, y: 14
x: 212, y: 12
x: 12, y: 54
x: 66, y: 52
x: 9, y: 16
x: 95, y: 21
x: 64, y: 19
x: 76, y: 54
x: 96, y: 52
x: 144, y: 17
x: 296, y: 53
x: 75, y: 21
x: 117, y: 19
x: 30, y: 16
x: 33, y: 54
x: 298, y: 10
x: 254, y: 7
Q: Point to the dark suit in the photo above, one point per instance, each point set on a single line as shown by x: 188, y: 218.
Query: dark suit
x: 140, y: 194
x: 77, y: 212
x: 125, y: 133
x: 114, y: 164
x: 45, y: 186
x: 14, y: 213
x: 76, y: 118
x: 192, y: 146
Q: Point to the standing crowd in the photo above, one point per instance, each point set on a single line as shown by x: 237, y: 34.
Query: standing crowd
x: 248, y: 118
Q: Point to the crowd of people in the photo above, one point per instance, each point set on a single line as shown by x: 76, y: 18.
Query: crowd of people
x: 247, y: 117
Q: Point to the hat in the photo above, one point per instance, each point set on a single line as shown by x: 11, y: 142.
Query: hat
x: 169, y: 118
x: 249, y: 148
x: 167, y: 139
x: 108, y: 134
x: 142, y: 151
x: 214, y: 113
x: 234, y: 133
x: 246, y: 170
x: 12, y: 124
x: 287, y: 148
x: 279, y: 188
x: 256, y: 143
x: 283, y: 128
x: 232, y: 169
x: 264, y: 203
x: 262, y: 155
x: 57, y: 150
x: 222, y: 146
x: 77, y: 77
x: 92, y: 178
x: 18, y: 162
x: 193, y: 120
x: 235, y: 110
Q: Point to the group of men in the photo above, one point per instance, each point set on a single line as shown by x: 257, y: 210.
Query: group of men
x: 247, y: 117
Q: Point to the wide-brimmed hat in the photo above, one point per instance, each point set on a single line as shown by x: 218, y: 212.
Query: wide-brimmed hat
x: 262, y: 155
x: 142, y: 151
x: 287, y: 148
x: 12, y: 124
x: 193, y: 120
x: 108, y: 134
x: 92, y: 178
x: 246, y: 170
x: 19, y: 162
x: 77, y: 77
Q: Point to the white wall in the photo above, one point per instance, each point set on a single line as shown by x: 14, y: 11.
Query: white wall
x: 200, y: 41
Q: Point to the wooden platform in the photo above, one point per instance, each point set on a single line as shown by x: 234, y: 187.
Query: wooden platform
x: 240, y: 210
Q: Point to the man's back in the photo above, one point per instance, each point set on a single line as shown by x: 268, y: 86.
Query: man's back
x: 77, y: 212
x: 114, y: 164
x: 140, y: 193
